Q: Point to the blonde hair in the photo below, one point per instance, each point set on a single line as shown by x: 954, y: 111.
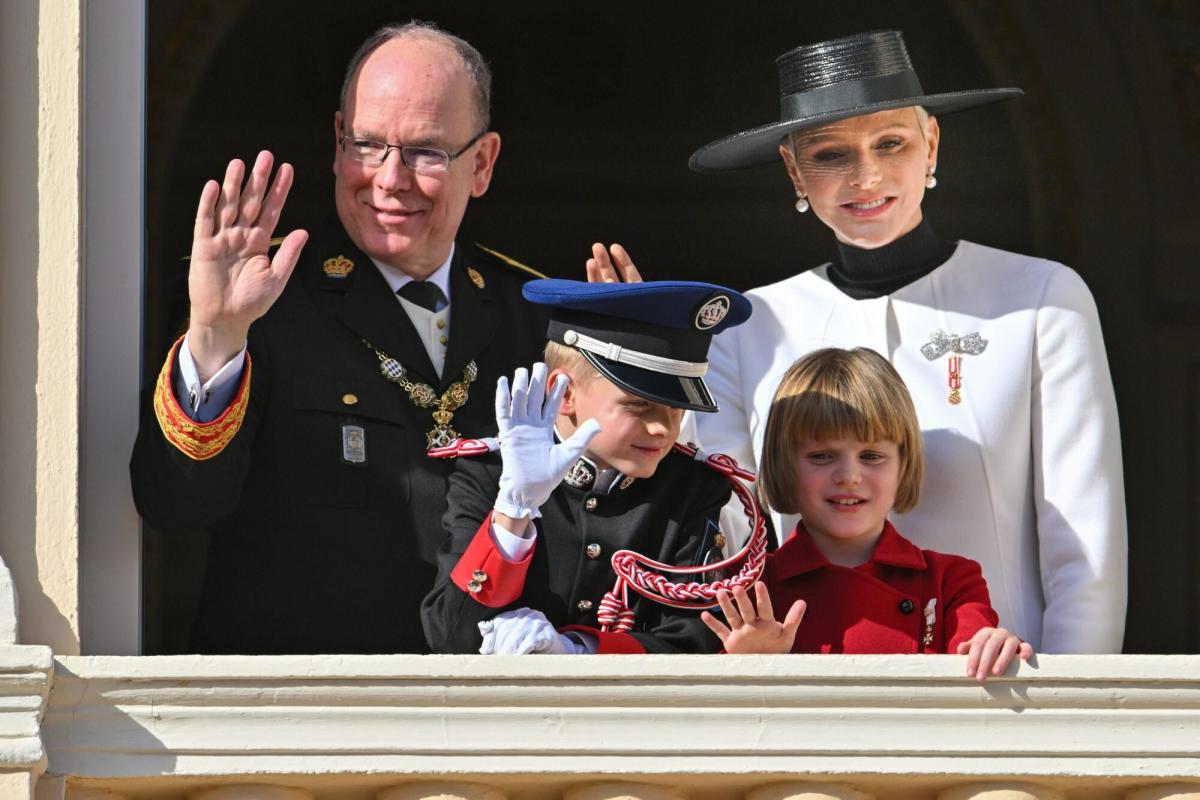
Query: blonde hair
x: 832, y: 394
x: 560, y: 356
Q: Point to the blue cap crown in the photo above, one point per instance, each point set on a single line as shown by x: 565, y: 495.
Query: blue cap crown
x: 649, y: 338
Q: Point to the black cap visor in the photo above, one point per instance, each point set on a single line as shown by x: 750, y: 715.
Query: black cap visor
x: 657, y: 387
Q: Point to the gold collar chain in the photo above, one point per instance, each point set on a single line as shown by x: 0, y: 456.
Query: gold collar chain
x: 425, y: 396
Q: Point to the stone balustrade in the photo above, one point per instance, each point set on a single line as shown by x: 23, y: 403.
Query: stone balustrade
x: 596, y: 728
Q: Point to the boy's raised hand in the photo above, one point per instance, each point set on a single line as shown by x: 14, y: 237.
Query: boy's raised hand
x: 533, y: 464
x: 991, y: 650
x: 750, y: 630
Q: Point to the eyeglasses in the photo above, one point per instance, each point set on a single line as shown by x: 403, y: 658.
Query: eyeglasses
x: 421, y: 160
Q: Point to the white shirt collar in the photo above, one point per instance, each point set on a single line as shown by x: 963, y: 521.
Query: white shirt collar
x: 396, y: 278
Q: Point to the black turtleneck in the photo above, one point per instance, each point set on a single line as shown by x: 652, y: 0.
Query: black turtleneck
x: 863, y: 274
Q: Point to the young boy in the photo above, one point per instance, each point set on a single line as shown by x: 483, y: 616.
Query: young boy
x: 586, y: 468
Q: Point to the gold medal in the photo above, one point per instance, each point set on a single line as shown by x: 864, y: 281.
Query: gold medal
x: 954, y: 378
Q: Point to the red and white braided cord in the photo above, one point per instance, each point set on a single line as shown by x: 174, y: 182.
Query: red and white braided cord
x: 634, y: 571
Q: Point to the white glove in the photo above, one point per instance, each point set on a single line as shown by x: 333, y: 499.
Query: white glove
x: 524, y: 631
x: 533, y: 464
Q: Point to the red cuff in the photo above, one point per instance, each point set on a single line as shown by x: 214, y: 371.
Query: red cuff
x: 609, y: 643
x: 485, y: 574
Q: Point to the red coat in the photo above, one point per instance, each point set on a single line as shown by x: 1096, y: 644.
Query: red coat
x: 881, y: 606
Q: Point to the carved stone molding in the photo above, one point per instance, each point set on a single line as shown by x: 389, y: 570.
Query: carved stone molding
x: 624, y: 791
x: 25, y: 675
x: 808, y: 791
x: 1000, y: 791
x: 867, y: 722
x: 250, y: 792
x: 441, y: 790
x: 1170, y: 791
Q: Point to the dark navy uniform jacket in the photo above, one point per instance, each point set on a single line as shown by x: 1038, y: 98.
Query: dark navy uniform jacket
x: 664, y: 517
x: 310, y: 553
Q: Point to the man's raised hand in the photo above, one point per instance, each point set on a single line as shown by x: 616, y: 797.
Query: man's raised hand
x: 232, y: 280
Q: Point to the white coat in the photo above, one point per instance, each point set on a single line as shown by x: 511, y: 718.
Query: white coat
x: 1023, y: 475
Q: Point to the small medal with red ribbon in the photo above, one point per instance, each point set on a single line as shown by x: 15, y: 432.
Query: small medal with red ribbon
x: 954, y: 378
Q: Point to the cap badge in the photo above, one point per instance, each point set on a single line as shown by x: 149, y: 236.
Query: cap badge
x: 338, y: 267
x: 475, y: 277
x: 712, y: 312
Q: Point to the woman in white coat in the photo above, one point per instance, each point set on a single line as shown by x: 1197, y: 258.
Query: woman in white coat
x: 1002, y: 352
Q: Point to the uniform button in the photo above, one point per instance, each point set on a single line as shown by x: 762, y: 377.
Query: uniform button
x: 350, y: 399
x: 591, y: 504
x: 474, y: 587
x: 479, y: 576
x: 584, y: 605
x: 905, y: 606
x: 441, y: 324
x: 442, y: 338
x: 593, y: 551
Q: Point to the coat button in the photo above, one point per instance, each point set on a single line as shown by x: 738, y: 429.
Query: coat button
x: 584, y: 605
x: 479, y: 576
x: 591, y: 504
x: 905, y: 606
x: 350, y: 399
x: 474, y: 587
x: 593, y: 551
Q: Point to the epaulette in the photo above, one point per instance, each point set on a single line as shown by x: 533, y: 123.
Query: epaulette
x: 512, y: 262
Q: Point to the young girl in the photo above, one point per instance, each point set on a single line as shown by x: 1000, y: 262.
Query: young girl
x: 843, y: 448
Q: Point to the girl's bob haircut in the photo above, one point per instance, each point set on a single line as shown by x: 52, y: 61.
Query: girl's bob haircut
x: 838, y: 394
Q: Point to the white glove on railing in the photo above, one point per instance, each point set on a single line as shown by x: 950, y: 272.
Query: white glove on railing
x: 533, y: 464
x: 524, y: 631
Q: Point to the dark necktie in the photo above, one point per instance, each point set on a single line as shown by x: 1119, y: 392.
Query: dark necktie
x: 426, y: 294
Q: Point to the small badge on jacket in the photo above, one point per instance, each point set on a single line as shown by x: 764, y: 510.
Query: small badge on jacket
x: 930, y: 618
x: 354, y: 443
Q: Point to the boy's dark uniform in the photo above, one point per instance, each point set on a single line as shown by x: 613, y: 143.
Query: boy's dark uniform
x: 313, y: 550
x: 664, y: 517
x: 650, y: 340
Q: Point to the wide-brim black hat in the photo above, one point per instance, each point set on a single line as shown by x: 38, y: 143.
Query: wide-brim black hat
x: 833, y: 80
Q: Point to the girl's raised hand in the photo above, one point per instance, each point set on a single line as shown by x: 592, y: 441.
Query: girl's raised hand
x: 750, y: 630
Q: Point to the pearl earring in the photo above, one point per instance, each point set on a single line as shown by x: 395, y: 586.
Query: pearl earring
x: 801, y: 203
x: 930, y: 181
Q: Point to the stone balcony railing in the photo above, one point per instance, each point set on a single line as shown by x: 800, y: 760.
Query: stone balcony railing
x: 594, y: 728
